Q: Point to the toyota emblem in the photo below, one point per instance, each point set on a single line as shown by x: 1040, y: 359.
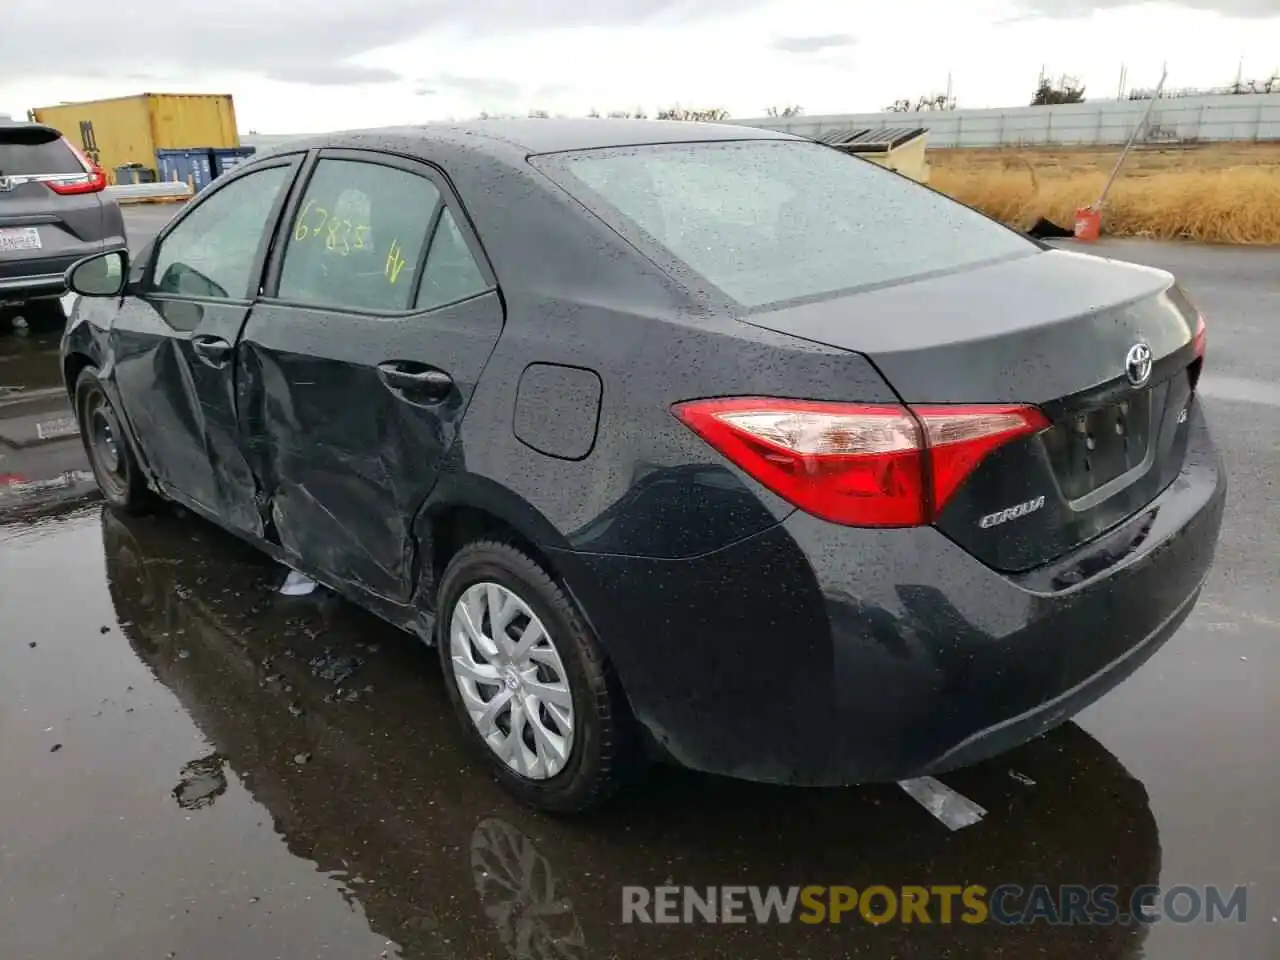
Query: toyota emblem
x: 1137, y: 364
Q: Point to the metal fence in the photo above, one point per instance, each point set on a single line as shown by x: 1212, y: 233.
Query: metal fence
x: 1174, y: 120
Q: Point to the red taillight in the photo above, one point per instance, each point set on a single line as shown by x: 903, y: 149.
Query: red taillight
x: 1201, y: 337
x: 959, y: 438
x: 93, y: 180
x: 856, y: 464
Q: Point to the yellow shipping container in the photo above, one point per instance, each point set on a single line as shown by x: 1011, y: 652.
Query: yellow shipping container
x: 131, y: 129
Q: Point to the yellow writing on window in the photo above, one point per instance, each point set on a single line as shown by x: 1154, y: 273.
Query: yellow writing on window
x: 324, y: 218
x: 340, y: 236
x: 300, y: 231
x: 395, y: 262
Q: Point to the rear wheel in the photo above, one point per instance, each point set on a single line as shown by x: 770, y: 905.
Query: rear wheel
x: 529, y: 682
x: 110, y: 457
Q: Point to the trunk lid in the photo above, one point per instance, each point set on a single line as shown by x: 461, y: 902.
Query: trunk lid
x: 1053, y: 329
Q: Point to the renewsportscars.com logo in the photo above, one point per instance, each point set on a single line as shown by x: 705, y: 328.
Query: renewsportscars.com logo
x: 1006, y: 904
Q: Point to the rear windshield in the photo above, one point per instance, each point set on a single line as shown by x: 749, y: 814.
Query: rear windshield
x: 767, y: 221
x: 24, y: 152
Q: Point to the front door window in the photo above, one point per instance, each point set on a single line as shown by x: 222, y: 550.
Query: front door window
x: 211, y: 254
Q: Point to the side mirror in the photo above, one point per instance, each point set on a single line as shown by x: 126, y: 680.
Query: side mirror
x: 101, y: 275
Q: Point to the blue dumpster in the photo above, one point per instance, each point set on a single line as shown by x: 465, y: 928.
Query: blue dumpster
x: 226, y: 158
x: 192, y: 165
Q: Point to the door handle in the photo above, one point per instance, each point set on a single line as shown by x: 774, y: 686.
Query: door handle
x: 423, y: 381
x: 212, y: 351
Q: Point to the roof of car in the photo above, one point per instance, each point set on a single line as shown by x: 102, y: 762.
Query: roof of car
x: 27, y: 127
x: 536, y: 135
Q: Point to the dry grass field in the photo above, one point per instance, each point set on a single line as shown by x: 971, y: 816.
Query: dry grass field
x: 1214, y: 193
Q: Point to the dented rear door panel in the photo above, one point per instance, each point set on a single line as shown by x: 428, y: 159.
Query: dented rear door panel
x: 344, y: 443
x: 345, y: 462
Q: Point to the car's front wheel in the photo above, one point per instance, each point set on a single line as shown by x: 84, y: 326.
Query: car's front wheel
x: 529, y: 682
x: 110, y: 456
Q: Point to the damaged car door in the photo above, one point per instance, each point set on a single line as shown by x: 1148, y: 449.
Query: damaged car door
x: 379, y: 312
x: 174, y: 343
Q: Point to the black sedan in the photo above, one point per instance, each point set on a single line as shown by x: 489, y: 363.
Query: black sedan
x: 683, y: 441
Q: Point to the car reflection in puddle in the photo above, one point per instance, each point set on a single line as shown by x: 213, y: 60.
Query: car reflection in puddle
x: 520, y: 895
x: 41, y: 459
x: 376, y: 791
x: 28, y: 358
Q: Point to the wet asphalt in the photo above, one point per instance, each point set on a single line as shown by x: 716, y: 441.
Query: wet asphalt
x: 194, y: 766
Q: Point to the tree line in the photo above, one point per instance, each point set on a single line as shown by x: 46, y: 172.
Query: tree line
x: 1048, y: 91
x: 706, y: 114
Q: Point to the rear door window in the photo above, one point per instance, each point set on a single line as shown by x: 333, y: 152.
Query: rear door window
x: 28, y: 152
x: 451, y: 273
x: 358, y: 237
x: 768, y: 221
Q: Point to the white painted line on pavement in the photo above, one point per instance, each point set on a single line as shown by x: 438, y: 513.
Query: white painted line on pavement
x: 1239, y: 389
x: 1240, y: 614
x: 952, y: 809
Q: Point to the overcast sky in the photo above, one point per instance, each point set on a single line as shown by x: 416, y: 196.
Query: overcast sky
x: 327, y: 64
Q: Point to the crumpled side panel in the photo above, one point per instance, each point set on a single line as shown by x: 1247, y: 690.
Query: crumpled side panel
x: 345, y: 458
x: 343, y: 464
x: 183, y: 411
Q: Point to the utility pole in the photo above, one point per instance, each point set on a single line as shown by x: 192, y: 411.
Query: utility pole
x: 1137, y: 131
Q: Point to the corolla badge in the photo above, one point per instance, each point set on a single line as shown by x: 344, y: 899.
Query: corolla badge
x: 1137, y: 364
x: 1011, y: 513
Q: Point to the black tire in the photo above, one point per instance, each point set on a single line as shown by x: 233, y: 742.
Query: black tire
x: 604, y: 753
x: 107, y: 445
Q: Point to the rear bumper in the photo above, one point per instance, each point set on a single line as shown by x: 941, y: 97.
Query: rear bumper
x: 819, y: 654
x: 33, y: 287
x: 1009, y: 733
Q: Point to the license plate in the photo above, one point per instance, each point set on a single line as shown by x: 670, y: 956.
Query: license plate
x: 24, y: 238
x: 1100, y: 445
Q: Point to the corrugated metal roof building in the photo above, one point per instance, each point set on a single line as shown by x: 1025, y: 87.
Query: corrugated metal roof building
x: 898, y: 148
